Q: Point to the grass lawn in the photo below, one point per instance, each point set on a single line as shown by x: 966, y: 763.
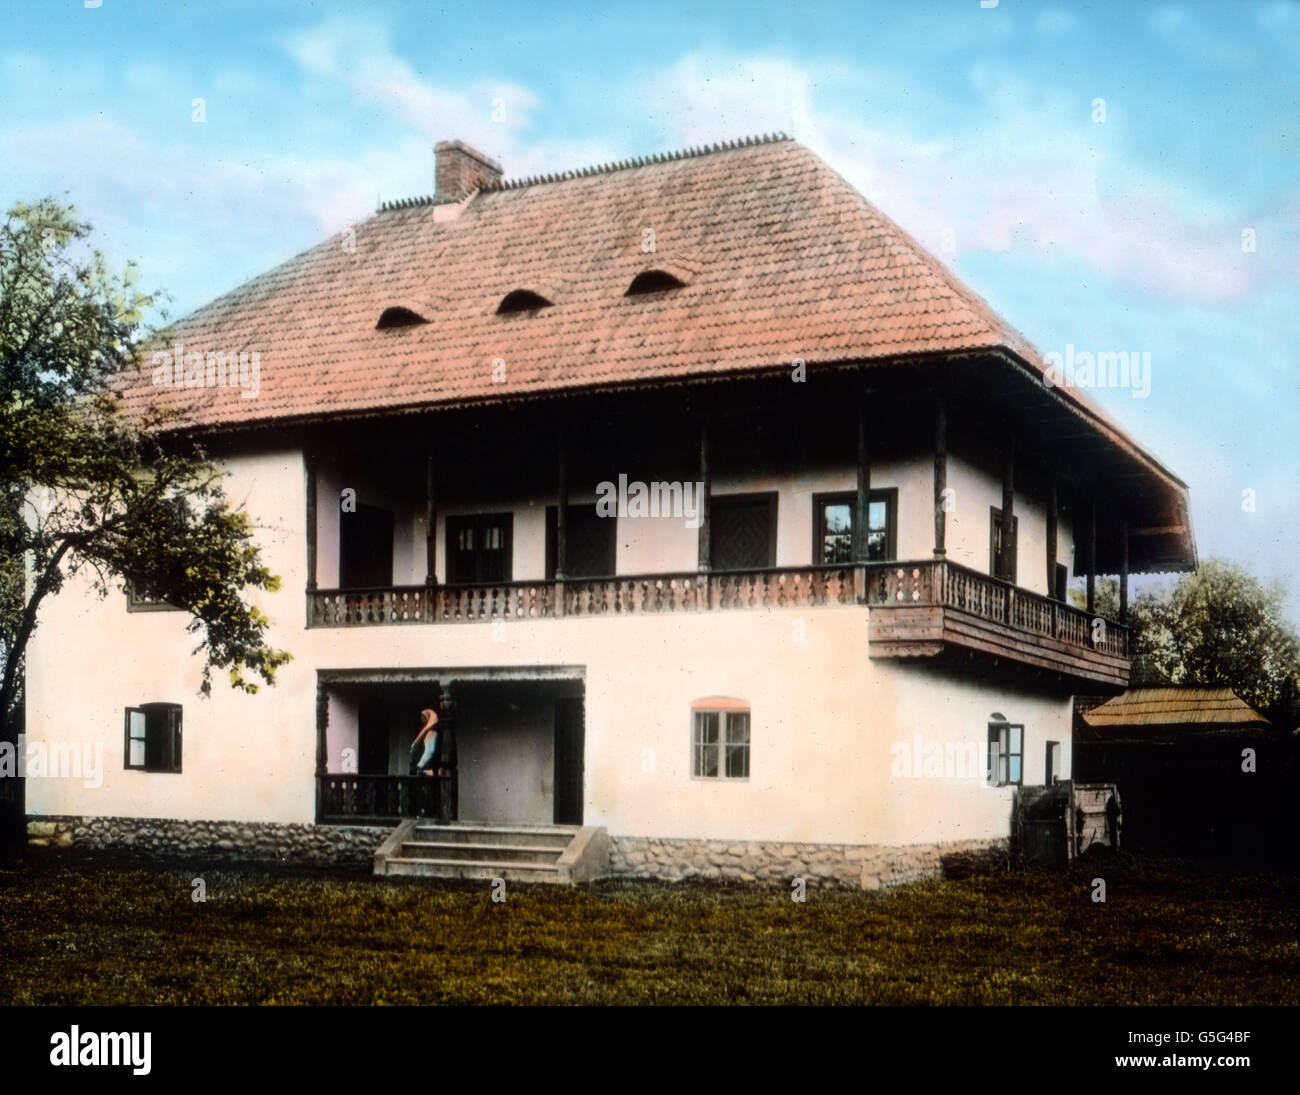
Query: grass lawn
x: 92, y: 932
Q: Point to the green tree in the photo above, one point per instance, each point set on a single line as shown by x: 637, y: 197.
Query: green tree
x: 87, y: 490
x: 1105, y: 596
x: 1221, y: 626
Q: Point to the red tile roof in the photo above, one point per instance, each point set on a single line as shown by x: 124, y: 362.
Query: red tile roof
x: 783, y: 258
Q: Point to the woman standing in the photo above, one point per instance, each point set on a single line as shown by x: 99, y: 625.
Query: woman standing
x: 425, y: 747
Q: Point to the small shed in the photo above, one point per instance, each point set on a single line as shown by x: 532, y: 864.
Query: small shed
x: 1199, y: 770
x: 1059, y: 822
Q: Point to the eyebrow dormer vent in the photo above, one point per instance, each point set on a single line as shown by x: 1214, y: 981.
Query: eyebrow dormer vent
x: 655, y: 279
x: 522, y: 300
x: 399, y: 316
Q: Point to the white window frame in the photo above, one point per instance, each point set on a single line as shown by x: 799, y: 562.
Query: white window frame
x: 724, y: 714
x: 1000, y: 753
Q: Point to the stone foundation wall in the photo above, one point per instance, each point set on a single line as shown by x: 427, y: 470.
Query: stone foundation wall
x: 844, y: 866
x: 221, y: 841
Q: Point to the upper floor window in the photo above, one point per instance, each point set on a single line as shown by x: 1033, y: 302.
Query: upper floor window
x: 1002, y: 557
x: 153, y: 737
x: 833, y: 517
x: 720, y: 738
x: 478, y: 548
x: 742, y: 531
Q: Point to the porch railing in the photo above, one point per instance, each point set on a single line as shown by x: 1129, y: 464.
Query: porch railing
x: 925, y: 582
x: 361, y: 798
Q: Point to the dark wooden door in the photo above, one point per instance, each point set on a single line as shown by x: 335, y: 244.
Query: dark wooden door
x: 366, y: 547
x: 373, y: 721
x: 568, y: 760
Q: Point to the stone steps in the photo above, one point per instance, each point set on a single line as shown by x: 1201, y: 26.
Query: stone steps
x: 557, y: 854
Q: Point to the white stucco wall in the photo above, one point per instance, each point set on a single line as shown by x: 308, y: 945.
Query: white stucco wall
x: 825, y: 717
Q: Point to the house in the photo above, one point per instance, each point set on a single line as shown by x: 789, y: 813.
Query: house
x: 730, y: 530
x: 1198, y: 769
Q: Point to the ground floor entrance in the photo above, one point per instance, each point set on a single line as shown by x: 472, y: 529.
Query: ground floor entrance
x: 510, y: 750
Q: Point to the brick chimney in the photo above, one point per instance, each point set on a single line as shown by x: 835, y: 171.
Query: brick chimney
x: 458, y: 169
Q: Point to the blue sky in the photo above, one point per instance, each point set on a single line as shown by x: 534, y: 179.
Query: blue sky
x: 975, y: 128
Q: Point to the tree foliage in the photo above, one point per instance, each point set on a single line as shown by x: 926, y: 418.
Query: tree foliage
x: 1221, y: 626
x: 86, y: 490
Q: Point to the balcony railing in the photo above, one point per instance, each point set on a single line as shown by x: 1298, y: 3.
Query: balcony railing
x: 362, y: 607
x: 955, y: 586
x: 928, y: 582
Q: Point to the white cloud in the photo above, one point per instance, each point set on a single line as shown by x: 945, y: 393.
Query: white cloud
x: 1019, y: 180
x: 357, y: 56
x: 494, y: 115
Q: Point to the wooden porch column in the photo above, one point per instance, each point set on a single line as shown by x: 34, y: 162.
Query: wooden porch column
x: 562, y: 505
x: 1008, y: 544
x: 430, y: 520
x: 322, y: 724
x: 940, y: 473
x: 1092, y: 554
x: 1123, y: 574
x: 705, y: 502
x: 1052, y: 516
x: 862, y: 503
x: 561, y: 519
x: 311, y: 520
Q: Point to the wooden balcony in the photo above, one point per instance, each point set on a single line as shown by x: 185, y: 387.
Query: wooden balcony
x: 942, y: 610
x: 929, y: 609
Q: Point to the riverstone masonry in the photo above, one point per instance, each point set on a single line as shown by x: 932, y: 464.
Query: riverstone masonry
x: 230, y: 841
x: 844, y: 866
